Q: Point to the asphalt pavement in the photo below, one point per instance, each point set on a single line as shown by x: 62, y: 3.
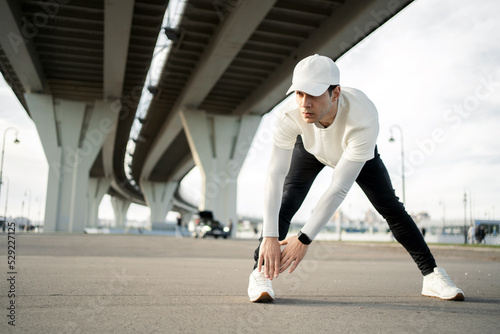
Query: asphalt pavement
x: 77, y: 283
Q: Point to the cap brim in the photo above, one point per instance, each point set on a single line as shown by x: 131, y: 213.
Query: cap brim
x: 314, y: 89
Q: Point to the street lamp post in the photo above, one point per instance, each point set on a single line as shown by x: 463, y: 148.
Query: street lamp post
x: 441, y: 202
x: 6, y: 201
x: 38, y: 220
x: 471, y: 221
x: 465, y: 217
x: 16, y: 141
x: 391, y: 139
x: 22, y: 212
x: 29, y: 209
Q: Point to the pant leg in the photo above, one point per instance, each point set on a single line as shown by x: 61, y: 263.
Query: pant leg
x: 375, y: 182
x: 304, y: 168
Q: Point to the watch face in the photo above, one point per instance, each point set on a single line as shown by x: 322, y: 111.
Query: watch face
x: 304, y: 238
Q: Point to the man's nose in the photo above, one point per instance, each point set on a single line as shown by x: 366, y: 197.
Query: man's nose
x: 305, y: 101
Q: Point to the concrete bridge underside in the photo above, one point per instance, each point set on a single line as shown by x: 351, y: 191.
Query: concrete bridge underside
x: 80, y: 69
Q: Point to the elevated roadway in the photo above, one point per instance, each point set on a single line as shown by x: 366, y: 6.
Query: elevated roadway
x: 80, y: 69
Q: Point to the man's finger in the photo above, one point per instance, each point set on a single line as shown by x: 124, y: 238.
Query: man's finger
x: 294, y: 265
x: 276, y: 269
x: 285, y: 265
x: 271, y: 267
x: 268, y: 265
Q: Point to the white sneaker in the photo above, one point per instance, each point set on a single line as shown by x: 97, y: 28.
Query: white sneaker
x: 260, y: 289
x: 438, y: 284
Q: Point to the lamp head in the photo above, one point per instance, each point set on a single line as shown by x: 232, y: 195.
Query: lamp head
x: 172, y: 34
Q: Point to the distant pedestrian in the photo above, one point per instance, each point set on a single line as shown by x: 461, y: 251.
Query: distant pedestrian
x: 178, y: 227
x: 480, y: 234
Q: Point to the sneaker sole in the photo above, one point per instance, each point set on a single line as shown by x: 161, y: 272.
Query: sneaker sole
x: 263, y: 298
x: 458, y: 297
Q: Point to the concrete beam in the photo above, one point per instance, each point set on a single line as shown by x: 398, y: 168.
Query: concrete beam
x: 218, y: 55
x: 15, y: 40
x: 183, y: 167
x: 354, y: 21
x: 223, y: 47
x: 117, y: 24
x: 181, y: 205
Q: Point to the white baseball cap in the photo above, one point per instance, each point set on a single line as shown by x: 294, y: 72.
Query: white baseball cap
x: 314, y: 74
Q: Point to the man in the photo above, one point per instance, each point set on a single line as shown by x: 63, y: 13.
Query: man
x: 329, y: 126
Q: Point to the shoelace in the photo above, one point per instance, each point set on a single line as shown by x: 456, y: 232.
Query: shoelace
x: 444, y: 279
x: 261, y: 280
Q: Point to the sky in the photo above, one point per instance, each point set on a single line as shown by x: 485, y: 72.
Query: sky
x: 433, y: 71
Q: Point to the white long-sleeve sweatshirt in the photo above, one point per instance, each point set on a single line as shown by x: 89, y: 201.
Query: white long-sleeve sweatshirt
x: 345, y: 145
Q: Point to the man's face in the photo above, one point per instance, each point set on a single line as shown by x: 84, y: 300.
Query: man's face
x: 316, y: 108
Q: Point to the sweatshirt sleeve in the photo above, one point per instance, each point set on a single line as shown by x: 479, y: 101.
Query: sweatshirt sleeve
x: 344, y: 175
x: 273, y: 189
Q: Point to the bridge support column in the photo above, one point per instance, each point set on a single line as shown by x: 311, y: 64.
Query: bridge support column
x: 185, y: 217
x: 72, y: 134
x: 120, y: 208
x: 159, y: 197
x: 98, y: 187
x: 219, y: 145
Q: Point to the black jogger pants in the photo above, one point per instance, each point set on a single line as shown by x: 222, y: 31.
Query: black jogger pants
x: 375, y: 182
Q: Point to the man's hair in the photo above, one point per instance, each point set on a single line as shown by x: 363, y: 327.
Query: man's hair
x: 331, y: 88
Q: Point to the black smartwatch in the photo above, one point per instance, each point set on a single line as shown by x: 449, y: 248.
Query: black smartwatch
x: 304, y: 238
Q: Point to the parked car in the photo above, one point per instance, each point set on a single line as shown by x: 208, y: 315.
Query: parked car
x: 207, y: 226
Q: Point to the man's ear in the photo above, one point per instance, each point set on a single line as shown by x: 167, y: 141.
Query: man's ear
x: 336, y: 93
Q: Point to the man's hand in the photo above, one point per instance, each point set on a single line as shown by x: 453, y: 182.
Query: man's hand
x: 293, y: 253
x: 269, y: 254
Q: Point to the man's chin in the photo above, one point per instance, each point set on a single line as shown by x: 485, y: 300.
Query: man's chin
x: 308, y: 120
